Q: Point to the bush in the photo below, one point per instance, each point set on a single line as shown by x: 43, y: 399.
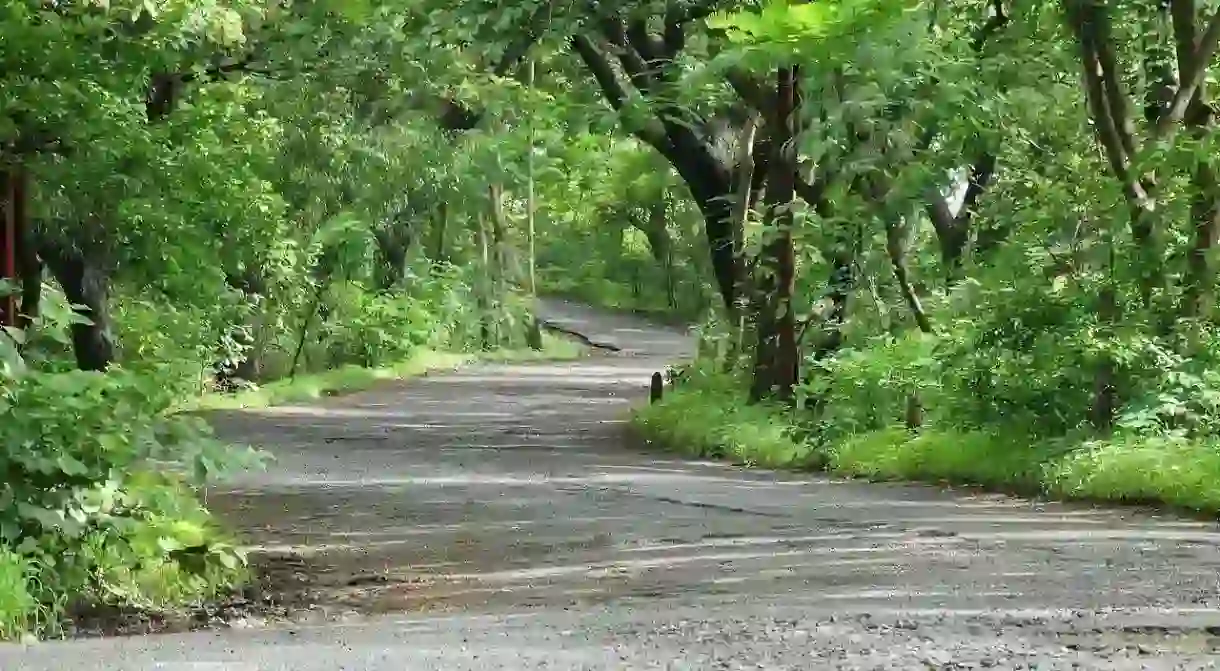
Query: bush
x: 701, y: 417
x: 372, y: 329
x: 20, y: 612
x: 99, y: 501
x: 958, y: 457
x: 707, y: 416
x: 1141, y: 469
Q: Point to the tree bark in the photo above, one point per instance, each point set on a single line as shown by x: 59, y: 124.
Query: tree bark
x: 745, y: 200
x: 483, y: 289
x: 86, y: 283
x: 440, y: 228
x: 896, y: 234
x: 777, y: 364
x: 392, y: 246
x: 1198, y: 294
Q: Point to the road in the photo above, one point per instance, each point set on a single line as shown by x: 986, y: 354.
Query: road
x: 498, y: 517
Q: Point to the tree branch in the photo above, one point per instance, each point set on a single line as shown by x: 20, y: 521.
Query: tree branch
x: 607, y: 80
x: 633, y: 62
x: 1193, y: 72
x: 613, y: 89
x: 1084, y: 27
x: 1116, y: 98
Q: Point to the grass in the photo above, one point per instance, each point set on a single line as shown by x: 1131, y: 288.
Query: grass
x: 348, y: 379
x: 708, y: 417
x: 707, y: 420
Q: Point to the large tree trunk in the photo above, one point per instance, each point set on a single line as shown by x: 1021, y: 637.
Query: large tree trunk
x: 392, y: 246
x: 777, y: 363
x: 712, y: 190
x: 85, y: 283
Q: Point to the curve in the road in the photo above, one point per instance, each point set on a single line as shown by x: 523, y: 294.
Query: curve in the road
x: 499, y: 518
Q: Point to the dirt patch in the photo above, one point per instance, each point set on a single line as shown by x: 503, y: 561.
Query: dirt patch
x: 285, y: 589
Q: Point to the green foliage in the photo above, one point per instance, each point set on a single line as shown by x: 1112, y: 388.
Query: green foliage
x: 702, y: 417
x: 867, y: 389
x: 705, y: 417
x: 1156, y: 469
x: 1007, y: 462
x: 99, y: 494
x: 241, y: 192
x: 1059, y: 335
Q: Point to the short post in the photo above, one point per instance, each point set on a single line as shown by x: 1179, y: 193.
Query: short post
x: 656, y: 388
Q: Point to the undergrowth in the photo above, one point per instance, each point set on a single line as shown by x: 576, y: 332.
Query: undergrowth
x: 706, y: 415
x: 351, y: 378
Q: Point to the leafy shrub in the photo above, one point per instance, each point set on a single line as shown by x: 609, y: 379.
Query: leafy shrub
x: 1141, y: 469
x: 703, y: 417
x: 959, y: 457
x: 176, y: 342
x: 706, y: 415
x: 866, y: 389
x: 372, y: 329
x: 19, y: 609
x: 98, y: 502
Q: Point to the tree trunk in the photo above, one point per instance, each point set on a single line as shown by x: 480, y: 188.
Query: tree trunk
x: 742, y: 205
x: 12, y: 223
x: 896, y: 234
x: 440, y: 226
x: 712, y: 194
x: 1198, y: 295
x: 392, y: 245
x: 1199, y: 291
x: 1105, y: 402
x: 656, y: 230
x: 483, y: 289
x: 86, y: 283
x: 953, y: 232
x: 499, y: 254
x: 776, y: 370
x: 533, y: 334
x: 29, y: 265
x: 30, y: 269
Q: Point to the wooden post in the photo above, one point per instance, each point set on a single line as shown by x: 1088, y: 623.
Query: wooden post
x: 656, y: 388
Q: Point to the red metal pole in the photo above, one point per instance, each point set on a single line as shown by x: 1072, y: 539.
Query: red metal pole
x: 8, y: 269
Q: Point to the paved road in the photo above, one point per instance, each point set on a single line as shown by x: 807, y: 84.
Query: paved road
x: 496, y: 518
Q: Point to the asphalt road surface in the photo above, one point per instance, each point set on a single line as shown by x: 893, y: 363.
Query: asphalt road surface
x: 498, y: 517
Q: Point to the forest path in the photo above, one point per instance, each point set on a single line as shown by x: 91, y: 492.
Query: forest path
x: 499, y: 517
